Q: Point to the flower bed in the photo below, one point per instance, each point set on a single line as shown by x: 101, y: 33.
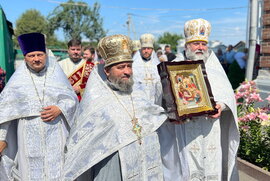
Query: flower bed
x: 254, y: 125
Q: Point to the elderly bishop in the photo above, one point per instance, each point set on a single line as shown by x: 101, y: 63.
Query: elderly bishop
x: 205, y: 147
x: 37, y: 108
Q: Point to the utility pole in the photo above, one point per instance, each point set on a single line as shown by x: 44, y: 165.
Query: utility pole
x: 252, y: 38
x: 130, y: 25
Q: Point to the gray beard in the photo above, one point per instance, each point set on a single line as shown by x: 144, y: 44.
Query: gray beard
x: 123, y: 86
x: 193, y: 56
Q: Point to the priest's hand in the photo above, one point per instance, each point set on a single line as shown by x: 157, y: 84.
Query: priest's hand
x: 161, y: 59
x: 50, y: 113
x: 217, y: 115
x: 3, y: 145
x: 76, y: 89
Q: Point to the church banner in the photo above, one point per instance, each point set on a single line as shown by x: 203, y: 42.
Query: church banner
x: 76, y: 76
x: 87, y: 69
x: 80, y: 76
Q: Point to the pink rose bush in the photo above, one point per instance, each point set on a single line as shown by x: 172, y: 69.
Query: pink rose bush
x: 254, y: 125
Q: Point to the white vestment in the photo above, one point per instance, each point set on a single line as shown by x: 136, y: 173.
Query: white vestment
x: 145, y: 74
x: 204, y: 148
x: 68, y: 66
x: 39, y: 145
x: 104, y: 127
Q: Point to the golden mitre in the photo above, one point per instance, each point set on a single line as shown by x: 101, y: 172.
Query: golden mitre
x: 115, y: 49
x: 147, y: 40
x: 197, y: 30
x: 136, y: 45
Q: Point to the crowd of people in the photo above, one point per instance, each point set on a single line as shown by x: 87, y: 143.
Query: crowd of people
x: 234, y: 64
x: 98, y: 115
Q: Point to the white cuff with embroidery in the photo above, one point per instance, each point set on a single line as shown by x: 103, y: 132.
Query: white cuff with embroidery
x: 223, y: 106
x: 3, y: 131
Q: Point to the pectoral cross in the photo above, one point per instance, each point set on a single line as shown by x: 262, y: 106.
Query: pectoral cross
x: 148, y: 77
x: 137, y: 129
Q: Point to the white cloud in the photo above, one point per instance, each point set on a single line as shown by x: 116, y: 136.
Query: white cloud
x: 163, y: 12
x: 141, y: 22
x: 239, y: 13
x: 187, y: 16
x: 228, y: 21
x: 237, y: 28
x: 229, y: 30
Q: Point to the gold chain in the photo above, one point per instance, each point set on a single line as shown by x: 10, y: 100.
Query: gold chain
x: 124, y: 106
x: 43, y: 91
x: 137, y: 128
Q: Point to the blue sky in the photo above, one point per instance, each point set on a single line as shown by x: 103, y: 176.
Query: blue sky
x: 228, y: 18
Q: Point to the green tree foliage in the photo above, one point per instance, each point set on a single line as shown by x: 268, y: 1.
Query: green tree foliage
x: 32, y: 21
x: 54, y: 43
x: 77, y: 20
x: 170, y: 39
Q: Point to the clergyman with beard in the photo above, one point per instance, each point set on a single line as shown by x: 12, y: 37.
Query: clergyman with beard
x: 116, y: 136
x: 145, y: 69
x: 89, y: 54
x: 205, y: 147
